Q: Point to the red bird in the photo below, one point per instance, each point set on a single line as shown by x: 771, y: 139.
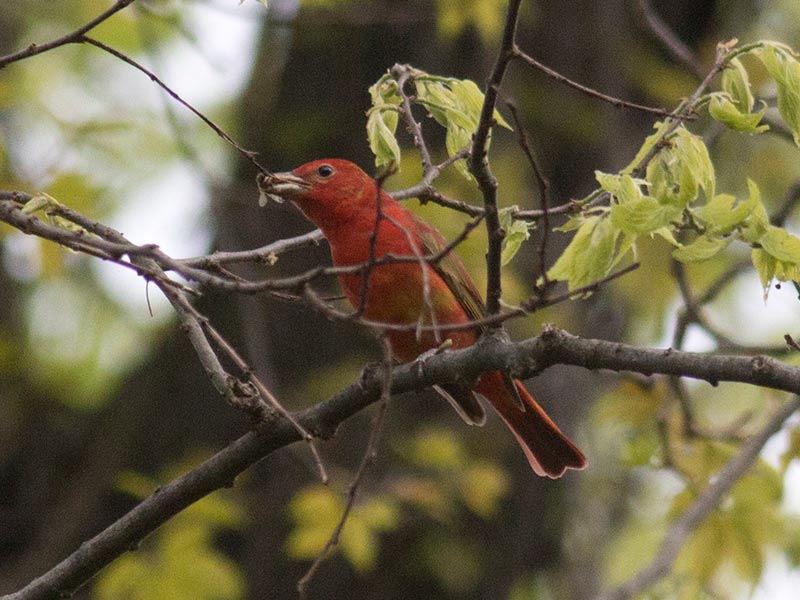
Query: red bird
x: 343, y: 201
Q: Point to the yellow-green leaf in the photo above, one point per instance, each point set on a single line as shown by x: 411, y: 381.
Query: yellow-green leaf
x: 681, y: 170
x: 649, y: 142
x: 757, y: 222
x: 736, y: 83
x: 785, y: 70
x: 722, y: 214
x: 765, y: 265
x: 472, y: 98
x: 438, y: 449
x: 381, y: 127
x: 781, y: 244
x: 722, y: 109
x: 645, y: 215
x: 517, y: 232
x: 703, y: 248
x: 589, y: 255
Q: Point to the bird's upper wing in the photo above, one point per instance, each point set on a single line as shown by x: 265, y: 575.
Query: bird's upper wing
x: 454, y: 274
x: 452, y: 271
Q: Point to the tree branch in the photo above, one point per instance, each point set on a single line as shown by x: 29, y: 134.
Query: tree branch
x: 479, y: 165
x: 523, y: 359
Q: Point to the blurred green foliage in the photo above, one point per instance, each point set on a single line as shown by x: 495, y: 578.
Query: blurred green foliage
x: 180, y: 559
x: 317, y: 510
x: 446, y: 481
x: 485, y: 16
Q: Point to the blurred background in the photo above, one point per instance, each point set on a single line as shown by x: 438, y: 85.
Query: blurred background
x: 102, y: 399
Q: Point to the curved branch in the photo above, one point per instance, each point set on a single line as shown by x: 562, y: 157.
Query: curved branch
x: 523, y: 359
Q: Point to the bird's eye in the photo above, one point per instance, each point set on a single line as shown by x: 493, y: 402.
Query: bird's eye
x: 325, y: 171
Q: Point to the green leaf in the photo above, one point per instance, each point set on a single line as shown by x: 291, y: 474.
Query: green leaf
x: 384, y: 91
x: 678, y: 173
x: 785, y: 70
x: 472, y: 98
x: 39, y: 202
x: 792, y: 451
x: 608, y: 182
x: 382, y: 121
x: 180, y: 560
x: 639, y: 448
x: 455, y: 561
x: 444, y: 106
x: 781, y: 244
x: 455, y: 140
x: 438, y: 449
x: 645, y: 215
x: 589, y: 256
x: 455, y: 104
x: 703, y: 553
x: 359, y: 544
x: 765, y: 266
x: 630, y: 403
x: 379, y: 514
x: 757, y: 222
x: 316, y: 511
x: 317, y: 504
x: 722, y: 109
x: 381, y: 127
x: 703, y: 248
x: 722, y: 214
x: 517, y: 232
x: 691, y: 151
x: 736, y: 83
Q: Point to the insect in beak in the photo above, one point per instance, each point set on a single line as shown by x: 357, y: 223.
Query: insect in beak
x: 279, y: 187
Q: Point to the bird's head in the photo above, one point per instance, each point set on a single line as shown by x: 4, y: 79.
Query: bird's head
x: 327, y: 183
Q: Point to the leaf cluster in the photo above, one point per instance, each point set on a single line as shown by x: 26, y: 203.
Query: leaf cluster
x: 676, y: 199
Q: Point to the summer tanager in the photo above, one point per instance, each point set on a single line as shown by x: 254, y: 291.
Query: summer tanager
x: 343, y: 201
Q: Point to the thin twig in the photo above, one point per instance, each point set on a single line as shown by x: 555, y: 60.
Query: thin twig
x: 544, y: 192
x: 684, y: 110
x: 370, y: 454
x: 403, y: 73
x: 71, y: 38
x: 248, y: 154
x: 538, y: 303
x: 373, y: 244
x: 618, y: 102
x: 265, y: 254
x: 263, y: 392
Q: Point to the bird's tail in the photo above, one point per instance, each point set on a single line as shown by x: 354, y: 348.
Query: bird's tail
x: 549, y: 452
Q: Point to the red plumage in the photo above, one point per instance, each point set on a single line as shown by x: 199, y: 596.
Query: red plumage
x: 343, y: 202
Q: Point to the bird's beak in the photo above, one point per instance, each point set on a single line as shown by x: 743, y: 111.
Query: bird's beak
x: 279, y: 187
